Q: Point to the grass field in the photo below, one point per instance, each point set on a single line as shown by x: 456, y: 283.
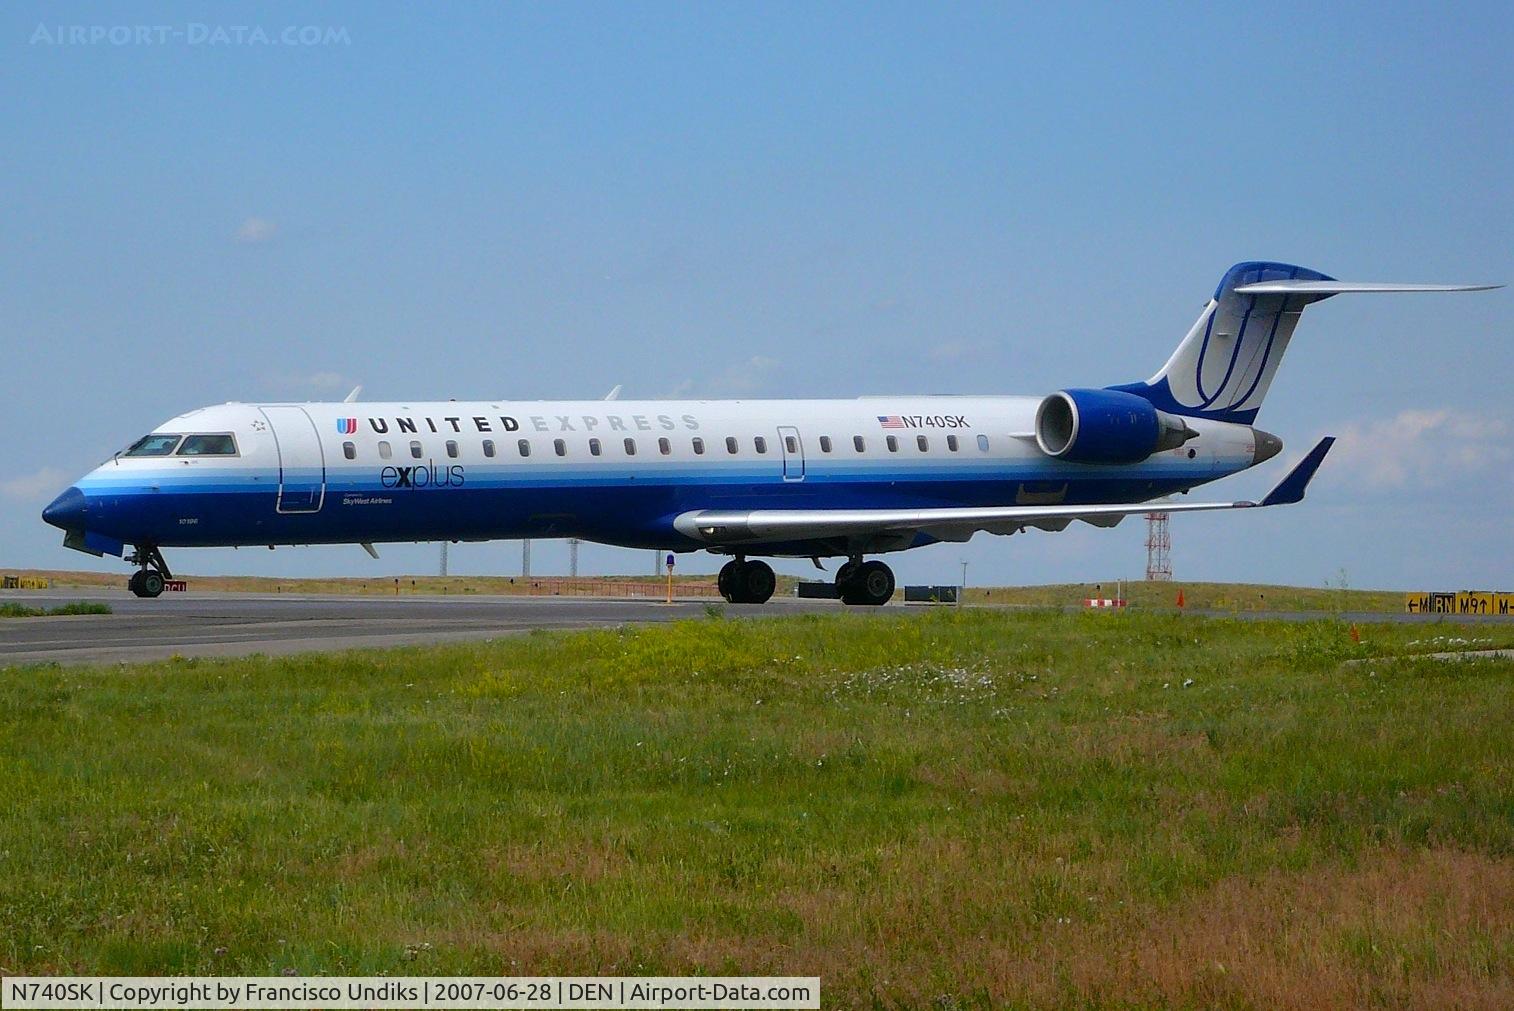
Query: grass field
x: 1196, y: 596
x: 954, y: 809
x: 1156, y: 596
x: 12, y: 609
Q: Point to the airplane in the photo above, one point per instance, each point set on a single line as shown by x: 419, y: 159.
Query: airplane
x: 741, y: 478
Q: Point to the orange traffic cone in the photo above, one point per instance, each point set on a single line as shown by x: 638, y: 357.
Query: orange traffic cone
x: 1180, y: 598
x: 1356, y: 634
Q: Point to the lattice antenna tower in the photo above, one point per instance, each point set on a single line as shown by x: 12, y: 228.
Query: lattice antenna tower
x: 1158, y: 548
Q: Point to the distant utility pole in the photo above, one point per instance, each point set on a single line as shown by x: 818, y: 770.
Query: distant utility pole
x: 525, y: 559
x: 573, y: 543
x: 656, y: 561
x: 444, y: 558
x: 1158, y: 549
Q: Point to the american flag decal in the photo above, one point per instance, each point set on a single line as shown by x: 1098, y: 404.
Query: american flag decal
x: 891, y: 421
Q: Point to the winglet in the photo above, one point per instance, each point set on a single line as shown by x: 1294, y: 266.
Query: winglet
x: 1291, y: 488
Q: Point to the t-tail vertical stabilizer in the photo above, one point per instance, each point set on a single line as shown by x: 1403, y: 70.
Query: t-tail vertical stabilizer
x: 1223, y: 368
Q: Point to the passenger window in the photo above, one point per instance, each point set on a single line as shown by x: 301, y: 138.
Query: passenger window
x: 791, y: 443
x: 825, y: 444
x: 893, y: 443
x: 730, y: 445
x: 559, y: 447
x: 951, y: 443
x: 593, y: 447
x: 452, y: 449
x: 630, y: 447
x: 698, y: 446
x: 525, y: 447
x: 386, y: 451
x: 208, y: 445
x: 983, y: 443
x: 415, y: 450
x: 761, y: 444
x: 664, y: 446
x: 349, y: 451
x: 923, y: 443
x: 489, y: 448
x: 859, y: 444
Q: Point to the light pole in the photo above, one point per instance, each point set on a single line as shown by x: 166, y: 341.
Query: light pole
x: 963, y: 591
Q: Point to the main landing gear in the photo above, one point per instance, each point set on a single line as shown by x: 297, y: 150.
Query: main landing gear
x: 148, y: 580
x: 744, y: 582
x: 867, y: 583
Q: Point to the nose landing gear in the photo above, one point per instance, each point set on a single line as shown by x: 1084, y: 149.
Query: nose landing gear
x: 148, y: 581
x: 746, y: 582
x: 867, y: 583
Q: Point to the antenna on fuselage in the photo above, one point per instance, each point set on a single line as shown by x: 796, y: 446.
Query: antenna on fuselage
x: 614, y: 394
x: 351, y: 397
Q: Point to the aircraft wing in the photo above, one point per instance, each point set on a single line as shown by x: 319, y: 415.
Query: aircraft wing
x: 716, y: 526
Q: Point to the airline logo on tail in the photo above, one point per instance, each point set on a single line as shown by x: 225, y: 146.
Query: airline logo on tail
x: 1224, y: 367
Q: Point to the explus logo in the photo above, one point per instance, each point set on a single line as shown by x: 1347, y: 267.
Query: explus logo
x: 426, y: 475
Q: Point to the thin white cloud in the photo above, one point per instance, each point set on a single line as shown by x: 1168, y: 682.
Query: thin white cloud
x: 1423, y: 444
x: 741, y: 379
x: 255, y: 230
x: 35, y: 486
x: 954, y: 351
x: 318, y: 380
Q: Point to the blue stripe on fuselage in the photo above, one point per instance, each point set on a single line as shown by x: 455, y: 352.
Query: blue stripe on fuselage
x: 560, y: 500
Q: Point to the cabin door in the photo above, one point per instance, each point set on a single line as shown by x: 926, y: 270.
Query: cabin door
x: 793, y: 452
x: 302, y: 462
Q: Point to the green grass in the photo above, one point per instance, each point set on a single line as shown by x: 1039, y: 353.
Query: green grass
x: 1196, y: 596
x: 950, y: 809
x: 10, y: 609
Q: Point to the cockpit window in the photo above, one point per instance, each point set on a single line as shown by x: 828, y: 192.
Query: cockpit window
x: 160, y: 444
x: 208, y: 445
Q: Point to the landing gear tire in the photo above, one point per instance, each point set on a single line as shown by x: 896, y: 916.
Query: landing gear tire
x: 146, y: 583
x: 869, y: 584
x: 744, y: 582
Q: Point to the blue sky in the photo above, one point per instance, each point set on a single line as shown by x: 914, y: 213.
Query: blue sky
x: 772, y: 200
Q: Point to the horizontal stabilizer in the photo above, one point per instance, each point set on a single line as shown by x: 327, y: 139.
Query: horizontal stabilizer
x: 1348, y: 287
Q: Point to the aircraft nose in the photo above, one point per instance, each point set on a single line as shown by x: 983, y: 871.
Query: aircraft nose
x: 1267, y: 446
x: 66, y: 511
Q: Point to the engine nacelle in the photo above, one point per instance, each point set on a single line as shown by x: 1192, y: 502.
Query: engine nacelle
x: 1105, y: 426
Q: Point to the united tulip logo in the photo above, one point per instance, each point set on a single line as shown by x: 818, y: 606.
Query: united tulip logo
x: 346, y: 426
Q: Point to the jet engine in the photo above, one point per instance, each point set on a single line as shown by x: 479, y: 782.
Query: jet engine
x: 1105, y: 426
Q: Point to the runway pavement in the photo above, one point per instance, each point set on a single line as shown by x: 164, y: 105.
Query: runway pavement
x: 239, y: 624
